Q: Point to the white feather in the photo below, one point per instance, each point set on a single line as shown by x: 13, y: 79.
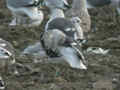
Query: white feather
x: 70, y: 56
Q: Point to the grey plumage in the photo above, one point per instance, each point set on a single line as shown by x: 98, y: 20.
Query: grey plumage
x: 98, y: 3
x: 25, y: 12
x: 20, y: 3
x: 62, y: 24
x: 69, y: 26
x: 62, y: 4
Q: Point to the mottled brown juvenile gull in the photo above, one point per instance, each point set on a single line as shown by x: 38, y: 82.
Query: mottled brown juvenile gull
x: 25, y: 11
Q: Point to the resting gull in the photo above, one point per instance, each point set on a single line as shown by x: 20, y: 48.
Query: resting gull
x: 61, y: 43
x: 25, y: 11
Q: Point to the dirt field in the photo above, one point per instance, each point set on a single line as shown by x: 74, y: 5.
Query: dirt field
x: 103, y: 70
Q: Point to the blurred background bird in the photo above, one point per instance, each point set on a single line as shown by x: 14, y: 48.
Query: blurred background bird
x: 100, y: 3
x: 79, y: 9
x: 25, y: 12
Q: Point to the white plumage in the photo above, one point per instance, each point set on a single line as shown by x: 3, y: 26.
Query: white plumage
x: 25, y: 12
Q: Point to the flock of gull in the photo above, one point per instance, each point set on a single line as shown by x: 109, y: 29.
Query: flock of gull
x: 62, y: 37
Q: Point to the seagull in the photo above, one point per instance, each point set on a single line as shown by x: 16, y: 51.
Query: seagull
x: 60, y: 43
x: 25, y: 11
x: 100, y: 3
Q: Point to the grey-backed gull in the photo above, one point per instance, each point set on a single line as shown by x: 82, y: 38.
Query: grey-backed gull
x: 25, y: 11
x: 67, y: 25
x: 60, y: 43
x: 99, y: 3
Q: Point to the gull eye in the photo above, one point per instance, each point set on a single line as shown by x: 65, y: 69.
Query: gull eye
x: 78, y: 21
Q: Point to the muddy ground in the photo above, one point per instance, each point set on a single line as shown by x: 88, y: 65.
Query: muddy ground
x: 103, y: 70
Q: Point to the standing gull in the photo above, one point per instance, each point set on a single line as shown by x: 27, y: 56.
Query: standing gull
x: 25, y: 9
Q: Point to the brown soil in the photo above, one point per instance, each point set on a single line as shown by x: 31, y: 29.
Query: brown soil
x: 103, y: 70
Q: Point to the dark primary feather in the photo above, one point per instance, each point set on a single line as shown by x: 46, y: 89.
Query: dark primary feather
x: 49, y: 51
